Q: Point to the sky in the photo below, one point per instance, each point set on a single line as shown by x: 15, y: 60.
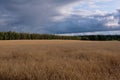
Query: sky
x: 60, y: 16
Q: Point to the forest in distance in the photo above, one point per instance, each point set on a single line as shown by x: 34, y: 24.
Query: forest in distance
x: 34, y: 36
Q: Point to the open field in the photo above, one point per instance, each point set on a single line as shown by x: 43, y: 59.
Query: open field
x: 59, y: 60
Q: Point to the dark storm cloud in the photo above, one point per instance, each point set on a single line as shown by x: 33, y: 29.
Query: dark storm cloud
x: 31, y: 15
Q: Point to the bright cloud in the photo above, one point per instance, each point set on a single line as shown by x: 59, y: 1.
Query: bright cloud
x: 112, y: 22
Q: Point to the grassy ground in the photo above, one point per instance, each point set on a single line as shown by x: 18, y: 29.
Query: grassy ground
x: 59, y: 60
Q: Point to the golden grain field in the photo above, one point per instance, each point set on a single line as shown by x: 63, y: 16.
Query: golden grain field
x: 59, y: 60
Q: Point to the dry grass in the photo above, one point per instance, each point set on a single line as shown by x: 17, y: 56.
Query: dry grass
x: 59, y: 60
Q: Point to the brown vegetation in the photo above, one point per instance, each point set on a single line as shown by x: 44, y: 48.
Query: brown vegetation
x: 59, y: 60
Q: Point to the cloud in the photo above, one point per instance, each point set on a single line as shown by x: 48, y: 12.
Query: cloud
x: 88, y: 23
x: 56, y: 16
x: 32, y: 15
x: 112, y: 22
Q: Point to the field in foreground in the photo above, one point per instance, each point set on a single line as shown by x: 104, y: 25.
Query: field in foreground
x: 59, y: 60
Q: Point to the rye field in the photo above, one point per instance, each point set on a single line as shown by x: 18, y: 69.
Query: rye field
x: 59, y: 60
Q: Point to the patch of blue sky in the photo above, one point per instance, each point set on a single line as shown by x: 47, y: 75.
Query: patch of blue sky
x: 108, y: 6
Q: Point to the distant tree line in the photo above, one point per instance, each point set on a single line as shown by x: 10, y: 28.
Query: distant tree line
x: 32, y: 36
x: 101, y: 37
